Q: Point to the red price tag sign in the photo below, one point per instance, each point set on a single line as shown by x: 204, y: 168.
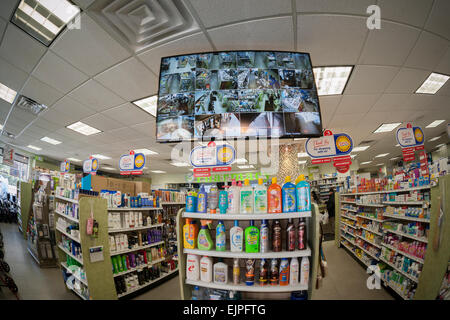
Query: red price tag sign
x: 343, y: 169
x: 221, y: 169
x: 319, y: 161
x: 200, y: 170
x: 420, y: 147
x: 342, y: 163
x: 409, y: 158
x: 202, y: 174
x: 342, y: 158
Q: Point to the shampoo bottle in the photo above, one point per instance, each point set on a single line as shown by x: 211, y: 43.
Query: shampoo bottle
x: 204, y: 241
x: 246, y: 193
x: 236, y: 237
x: 260, y: 194
x: 288, y: 195
x: 202, y: 200
x: 221, y: 237
x: 274, y: 197
x: 303, y: 195
x: 251, y: 238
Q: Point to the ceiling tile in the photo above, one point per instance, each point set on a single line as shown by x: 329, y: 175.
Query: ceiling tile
x: 45, y: 124
x: 7, y: 8
x: 444, y: 64
x: 440, y: 103
x: 190, y: 44
x: 128, y: 114
x: 259, y: 35
x: 15, y: 125
x: 90, y: 48
x: 328, y: 106
x: 147, y: 128
x: 41, y: 92
x: 11, y: 76
x: 36, y: 131
x: 341, y: 38
x: 22, y: 114
x: 343, y: 120
x: 218, y: 12
x: 130, y: 79
x: 390, y: 45
x: 427, y: 52
x: 419, y: 101
x: 356, y: 103
x: 333, y: 6
x: 96, y: 96
x: 4, y: 110
x: 3, y: 25
x: 391, y: 102
x: 445, y: 90
x: 438, y: 20
x: 20, y: 49
x: 83, y: 3
x: 413, y: 12
x: 73, y: 108
x: 370, y: 79
x: 61, y: 118
x: 102, y: 122
x: 123, y: 134
x: 57, y: 73
x: 69, y: 135
x: 407, y: 81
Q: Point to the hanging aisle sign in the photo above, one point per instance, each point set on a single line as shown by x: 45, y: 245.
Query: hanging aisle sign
x: 90, y: 166
x: 410, y: 140
x: 64, y: 167
x: 212, y: 158
x: 132, y: 163
x: 8, y: 155
x: 331, y: 146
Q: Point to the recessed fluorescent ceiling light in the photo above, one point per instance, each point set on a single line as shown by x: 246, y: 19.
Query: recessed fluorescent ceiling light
x: 241, y: 160
x: 380, y: 164
x: 34, y: 147
x: 44, y: 19
x: 361, y: 148
x: 302, y: 162
x: 381, y: 155
x: 395, y: 158
x: 302, y: 155
x: 50, y: 140
x: 180, y: 164
x: 158, y: 171
x: 6, y: 93
x: 435, y: 123
x: 100, y: 156
x: 83, y: 128
x: 148, y: 104
x: 108, y: 168
x: 433, y: 83
x: 440, y: 145
x: 246, y: 167
x: 331, y: 80
x: 146, y: 152
x: 434, y: 139
x: 366, y: 162
x: 397, y: 145
x: 74, y: 159
x: 387, y: 127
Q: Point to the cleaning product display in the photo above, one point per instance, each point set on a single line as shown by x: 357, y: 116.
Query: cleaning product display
x: 117, y: 199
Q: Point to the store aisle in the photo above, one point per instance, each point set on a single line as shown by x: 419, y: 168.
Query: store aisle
x: 346, y: 278
x: 33, y: 282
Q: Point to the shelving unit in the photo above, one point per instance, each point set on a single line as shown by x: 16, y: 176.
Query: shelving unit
x: 255, y: 290
x: 434, y: 263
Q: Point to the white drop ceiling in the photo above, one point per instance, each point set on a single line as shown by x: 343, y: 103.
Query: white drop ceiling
x: 92, y: 75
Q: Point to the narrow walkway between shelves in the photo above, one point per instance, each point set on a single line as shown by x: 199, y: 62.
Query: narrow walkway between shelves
x: 346, y: 278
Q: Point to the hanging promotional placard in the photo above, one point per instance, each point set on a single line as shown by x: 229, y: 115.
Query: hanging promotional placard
x: 132, y: 163
x: 90, y: 166
x: 410, y: 137
x: 8, y: 155
x: 218, y: 157
x: 64, y: 166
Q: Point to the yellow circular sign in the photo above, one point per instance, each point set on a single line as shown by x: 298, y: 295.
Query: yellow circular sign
x: 67, y: 166
x: 94, y: 164
x: 343, y: 143
x: 418, y: 134
x: 139, y: 161
x: 225, y: 154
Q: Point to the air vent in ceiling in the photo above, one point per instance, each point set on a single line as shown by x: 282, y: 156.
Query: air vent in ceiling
x: 30, y: 105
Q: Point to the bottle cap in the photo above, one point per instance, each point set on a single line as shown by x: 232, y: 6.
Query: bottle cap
x: 252, y: 222
x: 240, y: 184
x: 260, y: 181
x: 246, y: 182
x: 287, y: 179
x: 236, y: 223
x: 220, y: 221
x: 274, y: 180
x: 233, y: 182
x: 301, y: 177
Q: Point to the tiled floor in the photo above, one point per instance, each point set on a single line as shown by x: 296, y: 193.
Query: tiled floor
x: 346, y: 278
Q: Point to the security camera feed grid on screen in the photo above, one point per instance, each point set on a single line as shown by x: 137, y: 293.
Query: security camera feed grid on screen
x: 237, y: 94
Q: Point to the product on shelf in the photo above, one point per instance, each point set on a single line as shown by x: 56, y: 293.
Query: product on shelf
x: 236, y: 238
x: 204, y: 241
x: 251, y: 238
x: 303, y: 195
x: 288, y: 196
x: 274, y: 201
x: 260, y: 196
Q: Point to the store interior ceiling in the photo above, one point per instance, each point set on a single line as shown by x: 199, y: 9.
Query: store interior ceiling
x: 95, y: 73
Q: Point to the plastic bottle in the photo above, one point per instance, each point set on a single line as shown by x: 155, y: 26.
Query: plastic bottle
x: 213, y: 198
x: 196, y: 294
x: 223, y: 201
x: 233, y: 198
x: 293, y: 271
x: 236, y: 238
x: 274, y: 197
x: 246, y: 196
x: 260, y: 195
x: 206, y: 265
x: 190, y: 234
x: 221, y: 236
x: 191, y: 202
x: 304, y: 271
x: 288, y: 195
x: 290, y: 236
x: 284, y: 272
x: 264, y: 237
x: 204, y: 241
x: 252, y: 238
x: 302, y: 239
x: 263, y: 272
x: 202, y: 198
x: 303, y: 195
x: 250, y: 272
x: 220, y: 272
x: 276, y: 236
x: 192, y: 267
x: 274, y: 272
x: 236, y: 271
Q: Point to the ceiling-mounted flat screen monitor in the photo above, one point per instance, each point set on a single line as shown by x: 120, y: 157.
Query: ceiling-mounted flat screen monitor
x: 237, y: 94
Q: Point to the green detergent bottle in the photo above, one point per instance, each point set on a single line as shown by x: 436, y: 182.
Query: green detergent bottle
x: 204, y: 241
